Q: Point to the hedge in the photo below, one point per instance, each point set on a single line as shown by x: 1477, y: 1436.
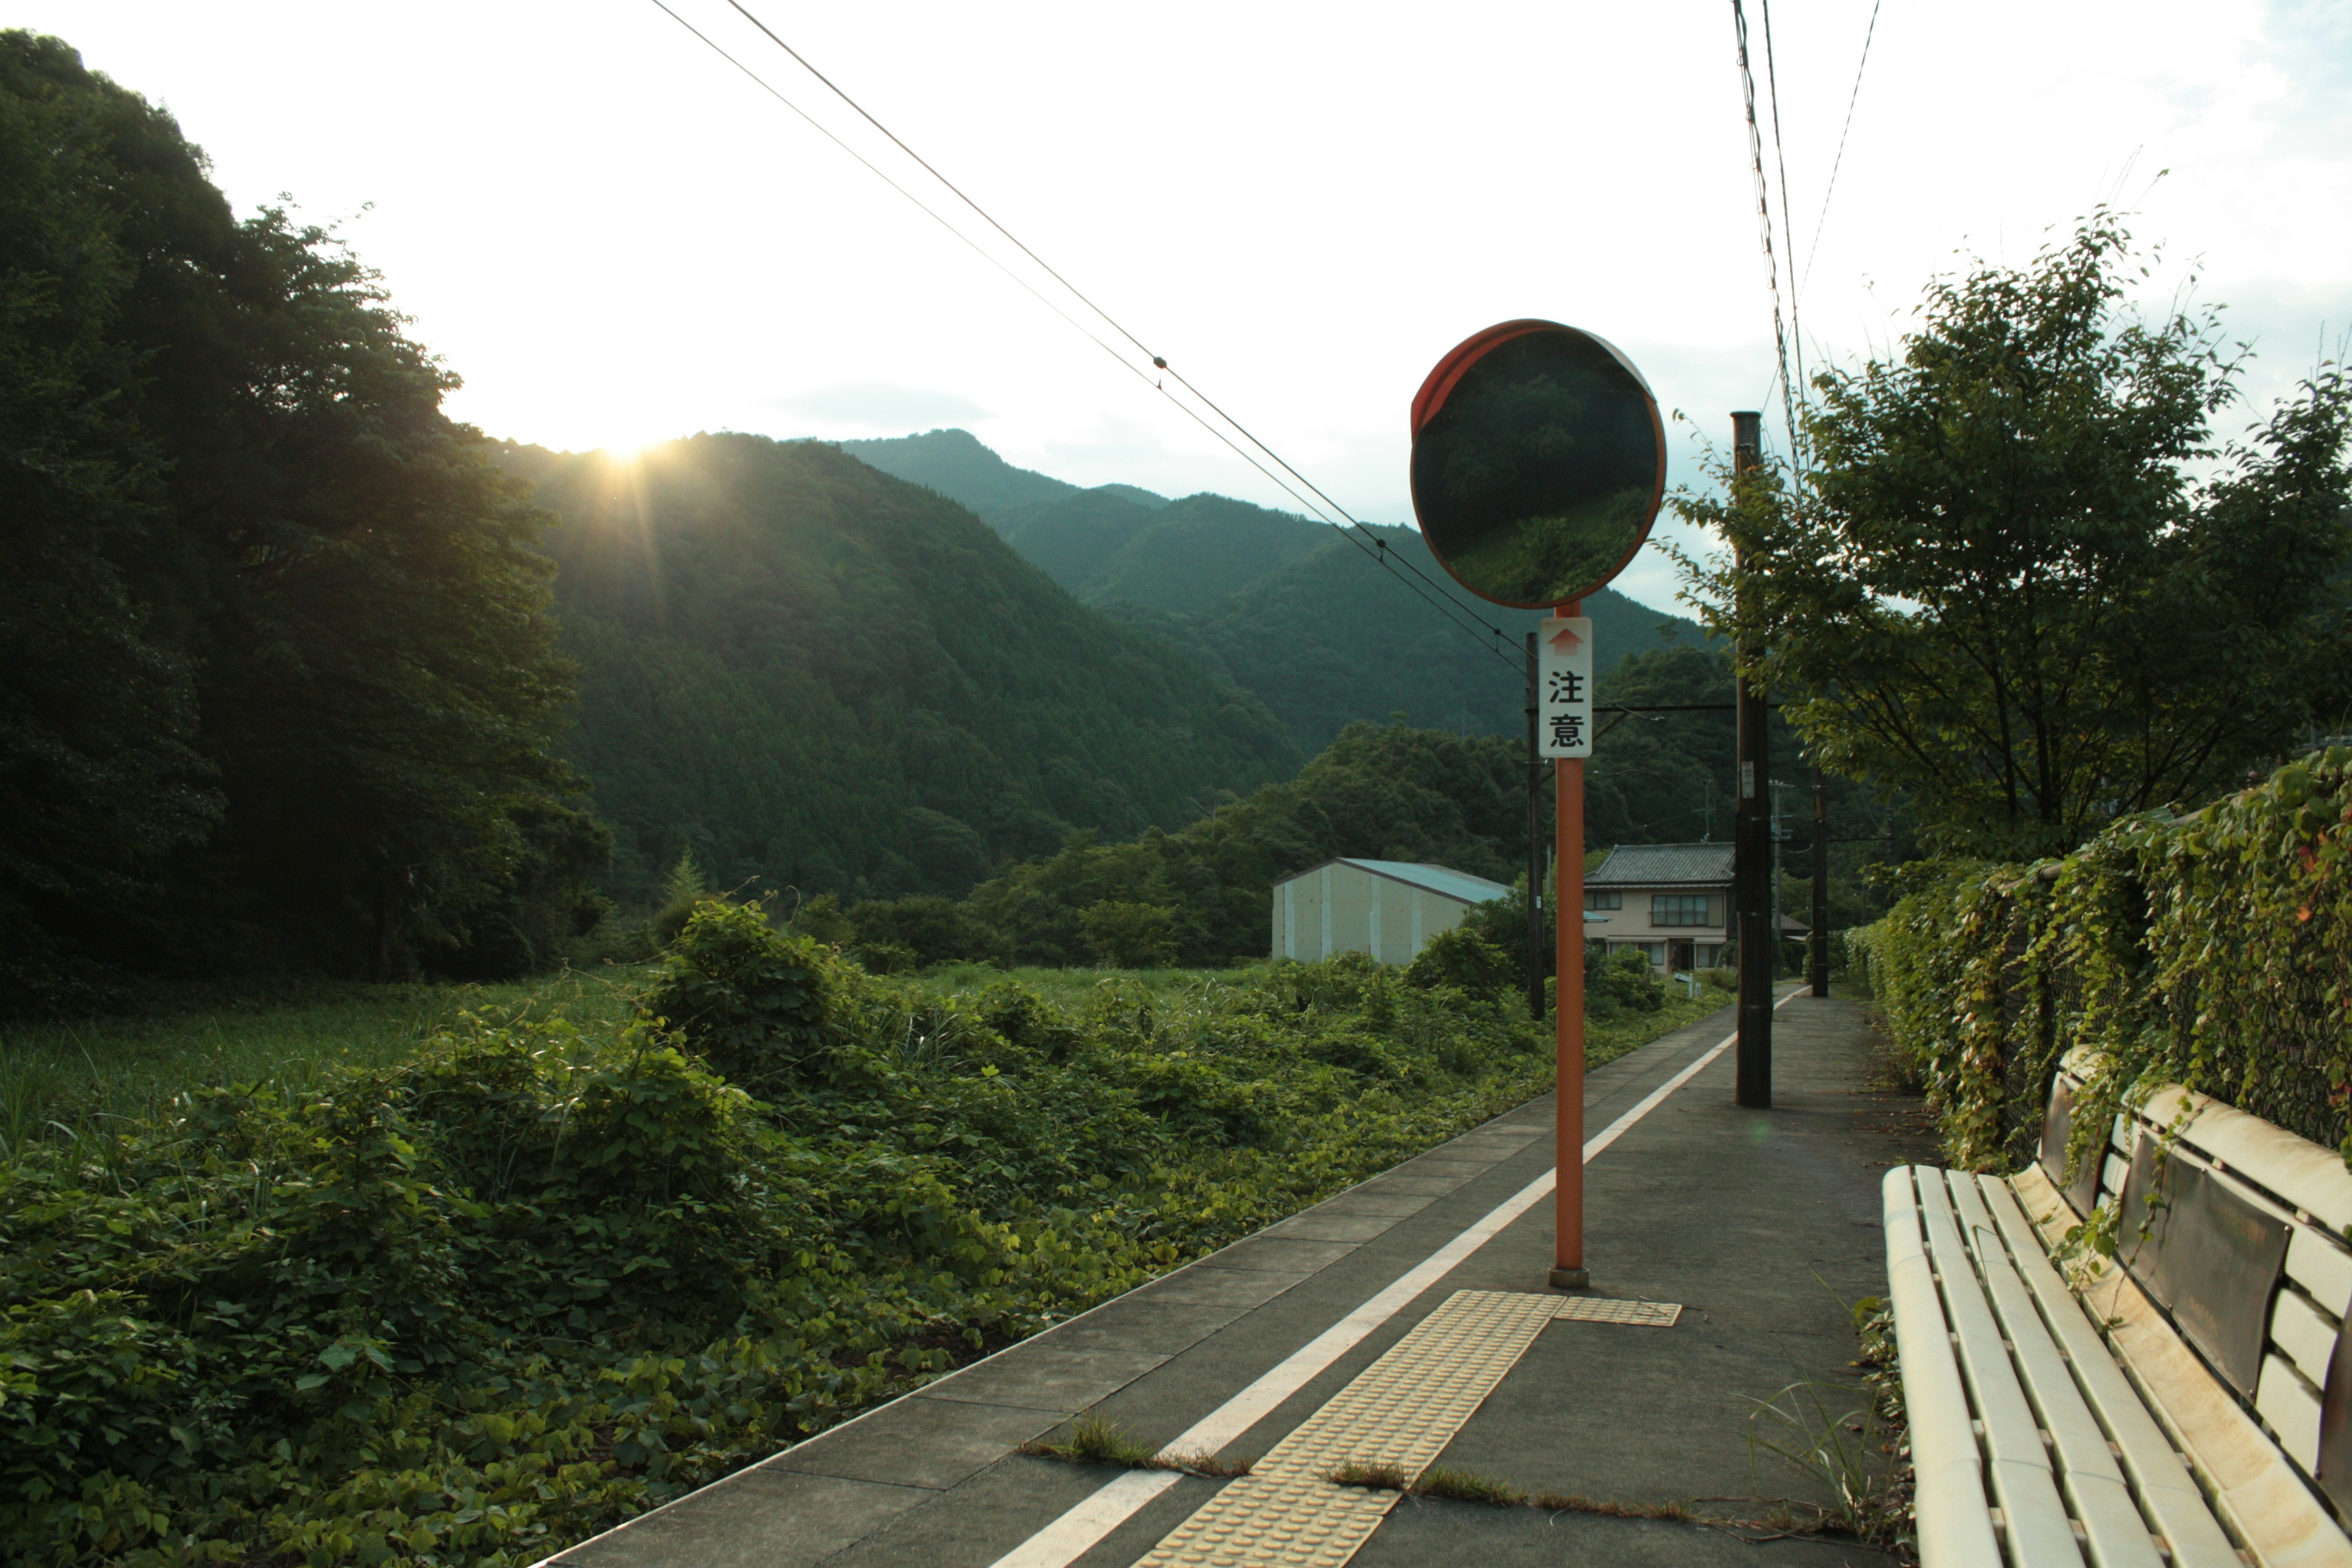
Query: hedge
x: 2209, y: 950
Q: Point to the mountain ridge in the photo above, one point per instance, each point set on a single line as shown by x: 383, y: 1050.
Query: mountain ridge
x: 1284, y: 606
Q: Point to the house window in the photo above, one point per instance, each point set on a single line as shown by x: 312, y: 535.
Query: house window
x: 1605, y: 901
x: 1679, y: 910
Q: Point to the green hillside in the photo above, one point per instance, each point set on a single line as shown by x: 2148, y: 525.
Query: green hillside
x: 1071, y: 539
x: 1285, y: 608
x: 1195, y: 552
x: 812, y: 674
x: 1332, y: 638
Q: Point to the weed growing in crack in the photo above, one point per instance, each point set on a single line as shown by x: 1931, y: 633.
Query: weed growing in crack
x: 1091, y: 1440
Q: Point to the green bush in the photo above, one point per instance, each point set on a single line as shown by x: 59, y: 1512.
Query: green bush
x: 2207, y: 949
x: 1467, y: 962
x: 917, y: 932
x: 750, y: 1000
x: 1625, y: 978
x: 535, y: 1280
x: 1124, y: 934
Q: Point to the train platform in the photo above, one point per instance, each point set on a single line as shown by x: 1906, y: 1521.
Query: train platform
x: 1407, y: 1323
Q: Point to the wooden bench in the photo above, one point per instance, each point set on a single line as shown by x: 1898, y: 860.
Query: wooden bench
x: 2188, y: 1404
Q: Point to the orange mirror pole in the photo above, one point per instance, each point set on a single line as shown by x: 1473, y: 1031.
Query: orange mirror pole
x: 1568, y: 1271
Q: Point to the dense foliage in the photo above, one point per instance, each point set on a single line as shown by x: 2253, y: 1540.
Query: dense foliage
x: 812, y: 674
x: 2209, y: 950
x: 276, y: 671
x: 472, y: 1308
x: 1201, y: 894
x: 2025, y: 584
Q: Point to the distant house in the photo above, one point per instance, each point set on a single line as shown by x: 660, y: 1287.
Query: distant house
x: 1673, y: 902
x: 1388, y: 909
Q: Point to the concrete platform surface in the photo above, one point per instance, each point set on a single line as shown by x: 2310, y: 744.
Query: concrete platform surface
x: 1763, y: 1224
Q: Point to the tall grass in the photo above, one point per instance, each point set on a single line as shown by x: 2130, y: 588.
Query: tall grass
x: 69, y: 1080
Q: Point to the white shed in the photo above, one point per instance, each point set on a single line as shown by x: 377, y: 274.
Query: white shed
x: 1388, y: 909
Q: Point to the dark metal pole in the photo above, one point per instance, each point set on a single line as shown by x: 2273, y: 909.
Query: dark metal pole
x: 1751, y: 848
x: 1535, y: 847
x: 1820, y: 954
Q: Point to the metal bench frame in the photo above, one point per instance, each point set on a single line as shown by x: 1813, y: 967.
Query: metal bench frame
x: 2058, y: 1420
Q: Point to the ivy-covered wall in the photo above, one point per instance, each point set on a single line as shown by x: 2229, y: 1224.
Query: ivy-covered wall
x: 2212, y: 949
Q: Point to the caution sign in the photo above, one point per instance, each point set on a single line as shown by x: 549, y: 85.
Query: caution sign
x: 1564, y: 676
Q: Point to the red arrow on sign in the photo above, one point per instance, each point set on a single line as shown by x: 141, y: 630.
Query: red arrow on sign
x: 1566, y: 640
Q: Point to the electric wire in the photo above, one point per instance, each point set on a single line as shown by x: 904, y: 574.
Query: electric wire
x: 920, y: 205
x: 1814, y: 249
x: 1378, y: 554
x: 1157, y: 360
x: 1764, y: 213
x: 1788, y: 226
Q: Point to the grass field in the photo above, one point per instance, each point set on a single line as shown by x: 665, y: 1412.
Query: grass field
x: 58, y: 1078
x: 55, y: 1078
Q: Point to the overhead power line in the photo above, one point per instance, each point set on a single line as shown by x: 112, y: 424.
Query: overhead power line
x: 1839, y: 162
x: 1795, y: 322
x: 1463, y: 616
x: 1764, y: 222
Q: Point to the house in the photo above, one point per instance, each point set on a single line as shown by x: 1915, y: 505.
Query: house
x: 1388, y: 909
x: 1671, y: 900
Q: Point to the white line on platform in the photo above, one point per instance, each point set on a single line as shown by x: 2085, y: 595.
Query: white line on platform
x: 1079, y: 1531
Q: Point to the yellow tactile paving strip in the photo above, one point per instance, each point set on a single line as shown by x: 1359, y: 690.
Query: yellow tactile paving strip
x: 1402, y: 1411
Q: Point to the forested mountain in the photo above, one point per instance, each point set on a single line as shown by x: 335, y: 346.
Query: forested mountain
x: 1334, y: 636
x: 1191, y: 555
x: 277, y: 676
x: 1075, y: 537
x: 1286, y: 608
x: 812, y: 674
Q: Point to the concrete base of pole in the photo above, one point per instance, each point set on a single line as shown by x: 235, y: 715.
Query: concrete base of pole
x: 1572, y: 1280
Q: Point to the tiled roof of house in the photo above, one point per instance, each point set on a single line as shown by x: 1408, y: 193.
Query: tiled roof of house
x: 1440, y: 879
x: 1662, y: 865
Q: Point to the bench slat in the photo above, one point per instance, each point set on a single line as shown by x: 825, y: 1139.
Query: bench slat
x: 2117, y: 1532
x: 2160, y: 1479
x: 2302, y: 1173
x: 2292, y: 1408
x: 1955, y: 1520
x: 2019, y: 1467
x: 2322, y: 1269
x: 2306, y: 1336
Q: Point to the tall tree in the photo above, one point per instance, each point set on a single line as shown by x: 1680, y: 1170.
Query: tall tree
x: 278, y: 657
x: 2023, y: 585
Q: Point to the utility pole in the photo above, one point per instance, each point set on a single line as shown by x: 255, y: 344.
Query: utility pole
x: 1749, y: 856
x: 1777, y: 833
x: 1535, y: 845
x: 1820, y: 946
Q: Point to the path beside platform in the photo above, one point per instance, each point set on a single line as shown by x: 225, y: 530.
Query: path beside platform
x: 1760, y: 1224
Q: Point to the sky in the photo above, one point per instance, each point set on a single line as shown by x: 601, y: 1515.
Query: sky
x: 614, y: 236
